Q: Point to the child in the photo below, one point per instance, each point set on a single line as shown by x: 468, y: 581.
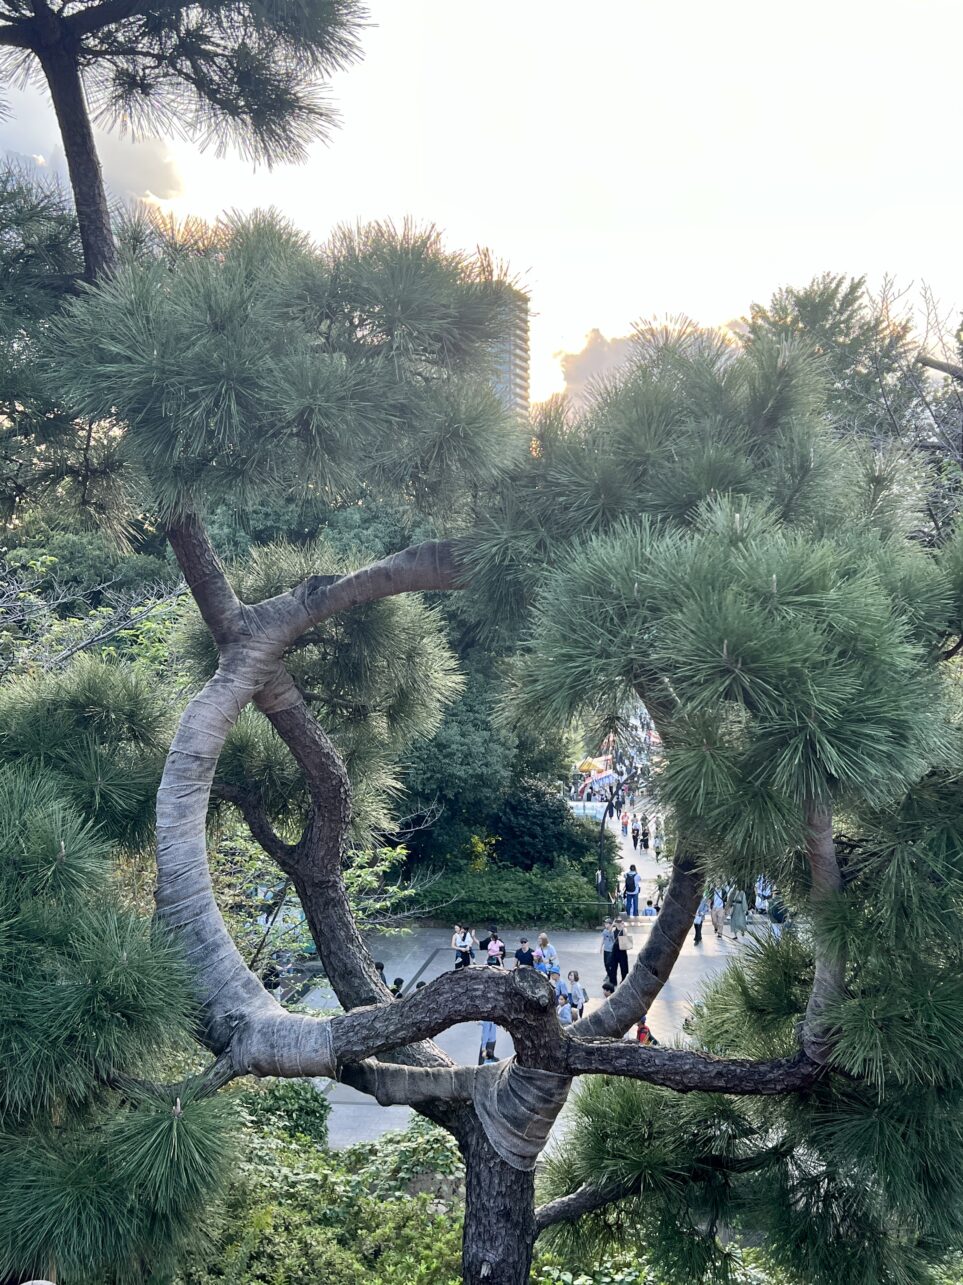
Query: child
x: 650, y: 911
x: 541, y: 964
x: 564, y: 1009
x: 577, y: 994
x: 643, y: 1034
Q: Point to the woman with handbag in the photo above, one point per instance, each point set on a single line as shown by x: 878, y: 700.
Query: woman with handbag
x: 622, y: 944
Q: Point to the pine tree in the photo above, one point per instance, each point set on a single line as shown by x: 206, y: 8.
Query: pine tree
x: 99, y: 1171
x: 702, y: 539
x: 225, y: 73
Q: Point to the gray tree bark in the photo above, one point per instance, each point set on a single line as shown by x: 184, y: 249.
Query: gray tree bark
x: 500, y: 1115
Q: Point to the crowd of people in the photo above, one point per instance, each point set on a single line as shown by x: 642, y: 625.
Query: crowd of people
x: 734, y: 903
x: 571, y: 993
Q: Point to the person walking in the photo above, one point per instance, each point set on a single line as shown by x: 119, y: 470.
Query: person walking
x: 625, y: 823
x: 644, y: 836
x: 632, y: 893
x: 463, y: 942
x: 577, y: 994
x: 777, y: 915
x: 738, y: 908
x: 658, y: 842
x: 489, y: 1033
x: 620, y: 950
x: 608, y: 947
x: 635, y: 832
x: 697, y: 923
x: 717, y: 910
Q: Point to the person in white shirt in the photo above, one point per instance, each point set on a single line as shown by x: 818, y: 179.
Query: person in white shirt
x: 718, y: 910
x: 463, y: 941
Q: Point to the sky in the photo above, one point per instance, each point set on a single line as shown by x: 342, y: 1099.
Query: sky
x: 629, y: 159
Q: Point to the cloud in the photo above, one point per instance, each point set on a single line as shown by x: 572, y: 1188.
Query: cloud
x: 599, y: 357
x: 132, y: 171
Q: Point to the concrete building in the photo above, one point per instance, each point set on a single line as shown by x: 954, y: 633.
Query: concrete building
x: 511, y: 357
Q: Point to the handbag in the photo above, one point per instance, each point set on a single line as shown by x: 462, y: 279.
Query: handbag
x: 626, y: 942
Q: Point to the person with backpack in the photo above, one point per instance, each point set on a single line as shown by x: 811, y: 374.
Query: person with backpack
x: 632, y: 892
x: 643, y: 1034
x: 717, y: 909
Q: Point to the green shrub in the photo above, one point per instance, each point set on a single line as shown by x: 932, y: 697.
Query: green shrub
x: 296, y: 1215
x: 292, y: 1108
x: 474, y: 893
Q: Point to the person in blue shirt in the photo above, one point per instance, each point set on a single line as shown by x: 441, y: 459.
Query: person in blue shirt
x: 564, y: 1009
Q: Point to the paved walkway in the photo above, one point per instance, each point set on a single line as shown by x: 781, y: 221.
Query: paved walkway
x: 424, y: 953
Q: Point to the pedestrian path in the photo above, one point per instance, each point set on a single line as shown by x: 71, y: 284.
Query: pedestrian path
x: 424, y: 953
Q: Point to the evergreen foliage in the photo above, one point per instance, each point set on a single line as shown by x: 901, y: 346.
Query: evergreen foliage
x: 93, y: 1178
x: 756, y: 581
x: 276, y: 360
x: 234, y: 73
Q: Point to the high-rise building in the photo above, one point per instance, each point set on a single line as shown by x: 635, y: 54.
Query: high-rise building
x: 511, y: 356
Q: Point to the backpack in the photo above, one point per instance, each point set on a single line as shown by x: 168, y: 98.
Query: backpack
x: 635, y: 882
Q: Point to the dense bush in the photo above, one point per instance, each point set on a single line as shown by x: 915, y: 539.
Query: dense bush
x: 297, y: 1214
x: 535, y: 828
x: 291, y: 1108
x: 476, y: 893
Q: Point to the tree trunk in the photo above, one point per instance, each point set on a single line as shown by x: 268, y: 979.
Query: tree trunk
x: 499, y: 1230
x: 62, y: 70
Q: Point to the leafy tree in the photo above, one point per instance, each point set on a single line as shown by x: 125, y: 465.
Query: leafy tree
x: 229, y: 73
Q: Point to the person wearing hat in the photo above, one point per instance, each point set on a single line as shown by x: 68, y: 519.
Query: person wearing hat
x: 524, y: 956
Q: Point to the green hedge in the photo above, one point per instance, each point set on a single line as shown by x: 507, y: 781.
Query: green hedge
x: 557, y: 897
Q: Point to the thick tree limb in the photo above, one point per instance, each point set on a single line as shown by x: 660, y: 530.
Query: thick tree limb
x: 585, y: 1200
x: 257, y: 820
x: 17, y: 35
x: 688, y: 1072
x: 392, y: 1084
x: 830, y: 975
x: 945, y: 367
x: 218, y: 603
x: 422, y: 568
x: 87, y: 21
x: 657, y: 957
